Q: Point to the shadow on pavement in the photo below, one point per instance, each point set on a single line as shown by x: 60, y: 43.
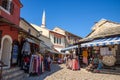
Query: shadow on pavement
x: 54, y: 68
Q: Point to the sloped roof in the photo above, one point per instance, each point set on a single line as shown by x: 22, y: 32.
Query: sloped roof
x: 103, y: 28
x: 38, y: 27
x: 28, y: 24
x: 56, y: 33
x: 67, y: 32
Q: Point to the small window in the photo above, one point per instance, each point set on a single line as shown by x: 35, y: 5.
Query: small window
x: 7, y: 5
x: 54, y: 39
x: 11, y: 8
x: 60, y: 41
x: 57, y: 40
x: 29, y: 31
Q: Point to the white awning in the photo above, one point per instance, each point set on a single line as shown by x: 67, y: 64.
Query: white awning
x: 48, y: 48
x: 102, y: 42
x: 52, y: 51
x: 68, y: 48
x: 30, y: 40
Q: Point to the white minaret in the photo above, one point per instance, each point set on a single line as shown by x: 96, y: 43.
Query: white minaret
x: 43, y: 20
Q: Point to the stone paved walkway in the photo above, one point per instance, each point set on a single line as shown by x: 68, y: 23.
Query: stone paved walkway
x: 59, y: 72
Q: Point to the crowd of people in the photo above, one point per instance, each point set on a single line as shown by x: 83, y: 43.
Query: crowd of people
x: 95, y: 64
x: 72, y: 62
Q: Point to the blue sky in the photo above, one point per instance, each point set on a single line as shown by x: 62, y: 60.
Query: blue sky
x: 75, y: 16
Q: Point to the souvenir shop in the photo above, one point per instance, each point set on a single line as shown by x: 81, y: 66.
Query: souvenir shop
x: 45, y: 50
x: 36, y: 65
x: 47, y: 57
x: 72, y: 59
x: 108, y: 48
x: 29, y: 57
x: 20, y: 45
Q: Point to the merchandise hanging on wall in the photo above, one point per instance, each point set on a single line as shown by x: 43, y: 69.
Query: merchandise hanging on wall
x: 104, y: 51
x: 109, y: 60
x: 14, y: 54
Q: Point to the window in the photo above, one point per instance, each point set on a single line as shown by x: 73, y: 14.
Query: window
x: 11, y: 8
x: 59, y: 40
x: 7, y: 5
x: 68, y: 37
x: 29, y: 31
x: 54, y: 39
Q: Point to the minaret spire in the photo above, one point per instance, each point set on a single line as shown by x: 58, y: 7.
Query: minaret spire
x: 43, y: 20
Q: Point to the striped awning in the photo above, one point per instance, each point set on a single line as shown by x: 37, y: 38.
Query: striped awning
x: 68, y: 48
x: 102, y: 42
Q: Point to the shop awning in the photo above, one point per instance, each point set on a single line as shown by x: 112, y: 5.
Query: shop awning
x: 52, y: 51
x: 102, y: 42
x: 30, y: 40
x: 48, y: 48
x: 68, y: 48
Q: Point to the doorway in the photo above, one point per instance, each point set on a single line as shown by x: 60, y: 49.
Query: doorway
x: 6, y: 51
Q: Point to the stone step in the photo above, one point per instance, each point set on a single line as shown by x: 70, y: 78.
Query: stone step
x: 19, y: 77
x: 6, y: 71
x: 13, y: 74
x: 109, y: 71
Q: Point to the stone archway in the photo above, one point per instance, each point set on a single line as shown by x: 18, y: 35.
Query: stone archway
x: 6, y: 50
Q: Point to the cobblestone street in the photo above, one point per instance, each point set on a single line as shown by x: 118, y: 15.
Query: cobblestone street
x: 60, y: 72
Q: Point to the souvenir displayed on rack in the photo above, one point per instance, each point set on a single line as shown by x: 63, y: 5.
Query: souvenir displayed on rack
x: 104, y: 51
x: 109, y: 60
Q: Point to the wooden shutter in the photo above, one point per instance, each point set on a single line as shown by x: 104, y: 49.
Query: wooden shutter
x: 12, y: 8
x: 1, y: 2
